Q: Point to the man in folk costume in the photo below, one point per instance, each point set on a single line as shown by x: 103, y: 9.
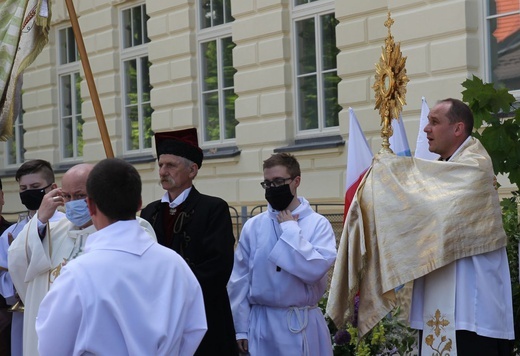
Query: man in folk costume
x: 439, y: 224
x: 45, y: 246
x: 199, y: 228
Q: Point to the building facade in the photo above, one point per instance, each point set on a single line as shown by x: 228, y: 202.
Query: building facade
x: 254, y: 76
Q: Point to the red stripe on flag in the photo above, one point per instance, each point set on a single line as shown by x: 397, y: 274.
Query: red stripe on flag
x: 351, y: 191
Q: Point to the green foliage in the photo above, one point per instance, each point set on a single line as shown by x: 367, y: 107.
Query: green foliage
x: 512, y: 228
x: 497, y: 124
x: 389, y: 337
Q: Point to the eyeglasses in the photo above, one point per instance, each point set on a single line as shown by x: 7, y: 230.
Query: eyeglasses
x: 274, y: 183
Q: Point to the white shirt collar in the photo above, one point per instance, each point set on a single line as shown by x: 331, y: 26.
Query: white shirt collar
x: 177, y: 201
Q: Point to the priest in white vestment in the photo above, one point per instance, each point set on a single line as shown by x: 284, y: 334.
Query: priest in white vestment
x: 126, y: 295
x: 45, y: 246
x: 438, y: 224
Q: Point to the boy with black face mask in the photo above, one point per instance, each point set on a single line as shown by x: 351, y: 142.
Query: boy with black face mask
x: 280, y: 270
x: 35, y: 179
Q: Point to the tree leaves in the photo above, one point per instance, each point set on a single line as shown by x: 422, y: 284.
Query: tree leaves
x: 497, y: 125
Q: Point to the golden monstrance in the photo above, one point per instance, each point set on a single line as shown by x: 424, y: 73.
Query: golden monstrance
x: 390, y: 85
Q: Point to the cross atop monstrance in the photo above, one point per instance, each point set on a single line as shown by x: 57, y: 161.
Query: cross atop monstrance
x: 390, y: 85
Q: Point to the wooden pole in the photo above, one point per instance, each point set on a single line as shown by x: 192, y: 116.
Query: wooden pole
x: 90, y: 80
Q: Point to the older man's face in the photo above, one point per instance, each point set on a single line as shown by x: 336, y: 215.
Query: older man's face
x: 174, y: 173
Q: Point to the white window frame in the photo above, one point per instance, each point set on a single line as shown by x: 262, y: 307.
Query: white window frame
x: 136, y: 53
x: 488, y: 75
x: 213, y: 33
x: 71, y: 69
x: 18, y: 132
x: 314, y: 9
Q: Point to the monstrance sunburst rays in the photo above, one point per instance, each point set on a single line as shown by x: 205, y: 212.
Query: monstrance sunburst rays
x: 390, y: 85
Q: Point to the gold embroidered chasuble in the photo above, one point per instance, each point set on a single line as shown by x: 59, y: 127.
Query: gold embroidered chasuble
x: 410, y: 217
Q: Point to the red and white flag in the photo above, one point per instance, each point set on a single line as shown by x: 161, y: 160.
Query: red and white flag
x: 359, y: 159
x: 422, y: 149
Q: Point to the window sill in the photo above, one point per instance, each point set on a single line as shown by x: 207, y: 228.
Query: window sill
x: 221, y: 152
x: 313, y: 144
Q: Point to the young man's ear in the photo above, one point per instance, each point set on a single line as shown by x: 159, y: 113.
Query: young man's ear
x: 297, y: 181
x: 92, y: 208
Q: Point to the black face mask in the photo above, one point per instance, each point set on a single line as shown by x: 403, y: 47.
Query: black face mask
x: 279, y: 197
x: 32, y: 198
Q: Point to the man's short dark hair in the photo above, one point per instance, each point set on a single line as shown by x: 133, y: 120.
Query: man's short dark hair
x: 460, y: 112
x: 284, y: 159
x: 115, y: 187
x: 1, y: 187
x: 36, y: 166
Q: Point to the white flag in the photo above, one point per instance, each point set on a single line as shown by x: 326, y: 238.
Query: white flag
x: 399, y: 140
x: 422, y: 149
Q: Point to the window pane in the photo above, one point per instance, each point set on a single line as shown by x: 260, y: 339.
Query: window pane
x: 328, y: 40
x: 330, y: 95
x: 68, y: 51
x: 145, y: 18
x: 130, y: 68
x: 68, y: 143
x: 145, y: 79
x: 306, y: 46
x: 11, y: 151
x: 15, y: 150
x: 79, y: 101
x: 127, y: 28
x: 229, y: 113
x: 218, y: 12
x: 205, y: 13
x: 211, y: 124
x: 72, y: 48
x: 308, y: 101
x: 215, y: 12
x: 132, y: 120
x: 301, y: 2
x: 227, y: 60
x: 504, y: 52
x: 137, y: 34
x: 66, y: 96
x: 62, y: 40
x: 79, y: 134
x: 209, y: 66
x: 147, y: 126
x: 227, y: 10
x: 498, y: 7
x: 134, y: 26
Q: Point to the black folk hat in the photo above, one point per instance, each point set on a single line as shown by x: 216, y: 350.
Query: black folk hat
x: 182, y: 143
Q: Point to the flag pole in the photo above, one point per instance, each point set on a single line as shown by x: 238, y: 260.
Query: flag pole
x: 90, y: 80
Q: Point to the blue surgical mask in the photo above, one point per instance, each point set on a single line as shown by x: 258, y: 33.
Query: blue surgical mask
x: 77, y: 212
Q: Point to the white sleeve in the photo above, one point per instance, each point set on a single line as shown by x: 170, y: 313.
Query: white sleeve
x: 59, y: 317
x: 239, y: 285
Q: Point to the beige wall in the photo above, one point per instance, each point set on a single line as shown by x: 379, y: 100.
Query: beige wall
x: 442, y: 39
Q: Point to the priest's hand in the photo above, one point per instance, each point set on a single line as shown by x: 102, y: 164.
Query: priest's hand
x: 243, y: 347
x: 50, y: 202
